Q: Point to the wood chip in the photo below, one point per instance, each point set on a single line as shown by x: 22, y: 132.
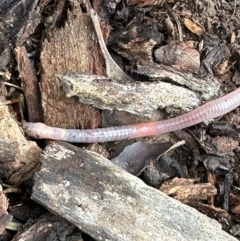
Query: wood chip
x: 108, y: 203
x: 25, y: 154
x: 138, y: 98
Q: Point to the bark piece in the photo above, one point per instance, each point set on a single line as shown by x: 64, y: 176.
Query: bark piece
x: 32, y: 21
x: 19, y: 19
x: 71, y: 48
x: 180, y: 55
x: 25, y: 154
x: 5, y: 218
x: 8, y: 151
x: 110, y: 204
x: 5, y: 58
x: 135, y: 42
x: 30, y: 85
x: 223, y: 128
x: 206, y: 88
x: 194, y: 27
x: 138, y: 98
x: 164, y: 168
x: 188, y: 190
x: 220, y: 146
x: 213, y: 59
x: 47, y: 227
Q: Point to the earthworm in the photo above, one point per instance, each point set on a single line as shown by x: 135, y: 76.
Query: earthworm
x: 205, y: 112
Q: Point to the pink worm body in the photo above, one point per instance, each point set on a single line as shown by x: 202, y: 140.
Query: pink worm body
x: 205, y: 112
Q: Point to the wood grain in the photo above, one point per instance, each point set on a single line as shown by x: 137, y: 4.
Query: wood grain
x: 108, y: 203
x: 72, y: 48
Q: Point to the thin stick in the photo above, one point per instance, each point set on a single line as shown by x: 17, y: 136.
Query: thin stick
x: 114, y: 72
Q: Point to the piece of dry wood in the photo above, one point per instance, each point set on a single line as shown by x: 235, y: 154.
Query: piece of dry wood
x: 140, y: 98
x: 8, y: 151
x: 188, y: 190
x: 181, y: 55
x: 136, y: 41
x: 48, y: 227
x: 110, y: 204
x: 30, y: 85
x: 205, y: 88
x: 71, y: 48
x: 25, y: 154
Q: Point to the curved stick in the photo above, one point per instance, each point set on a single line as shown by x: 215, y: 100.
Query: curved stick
x: 205, y: 112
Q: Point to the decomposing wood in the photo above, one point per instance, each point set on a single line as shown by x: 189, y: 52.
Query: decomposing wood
x: 30, y: 85
x: 180, y: 55
x: 136, y: 41
x: 110, y: 204
x: 15, y: 29
x: 54, y: 19
x: 70, y: 49
x: 31, y: 22
x: 213, y: 59
x: 221, y: 146
x: 138, y: 98
x: 163, y: 168
x: 25, y: 154
x: 48, y: 227
x: 223, y: 128
x: 188, y: 190
x: 5, y: 218
x: 143, y: 3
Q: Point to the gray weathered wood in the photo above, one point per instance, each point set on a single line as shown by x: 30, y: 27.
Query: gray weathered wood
x: 8, y: 150
x: 110, y: 204
x: 19, y: 157
x: 139, y: 98
x: 205, y: 88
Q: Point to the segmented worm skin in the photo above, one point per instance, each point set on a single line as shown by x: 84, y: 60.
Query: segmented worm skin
x: 205, y: 112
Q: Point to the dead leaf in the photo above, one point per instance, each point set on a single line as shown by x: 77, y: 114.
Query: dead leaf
x: 193, y: 27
